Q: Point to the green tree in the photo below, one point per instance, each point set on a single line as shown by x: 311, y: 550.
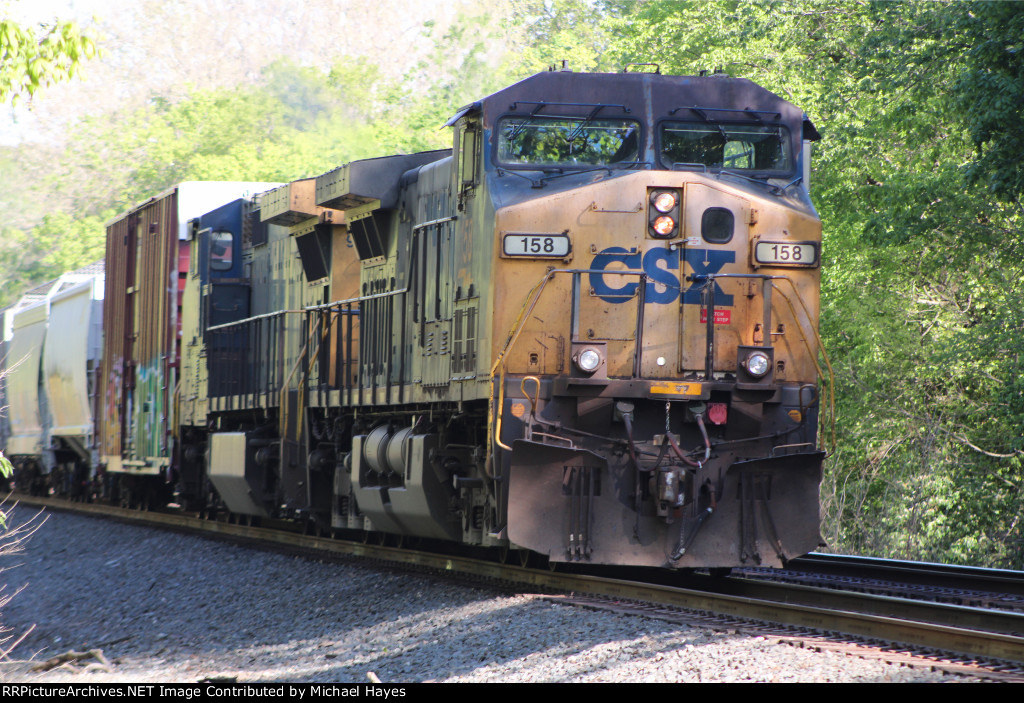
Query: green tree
x: 574, y: 31
x: 31, y: 59
x: 990, y: 91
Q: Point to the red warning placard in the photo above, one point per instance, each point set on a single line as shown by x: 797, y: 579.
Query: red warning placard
x: 722, y: 317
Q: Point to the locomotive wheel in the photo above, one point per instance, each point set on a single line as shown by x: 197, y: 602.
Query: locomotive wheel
x: 525, y: 558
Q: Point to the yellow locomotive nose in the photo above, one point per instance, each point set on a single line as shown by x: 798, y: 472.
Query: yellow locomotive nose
x: 707, y: 343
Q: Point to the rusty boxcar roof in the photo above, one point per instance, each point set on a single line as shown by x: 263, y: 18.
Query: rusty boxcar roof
x: 196, y: 198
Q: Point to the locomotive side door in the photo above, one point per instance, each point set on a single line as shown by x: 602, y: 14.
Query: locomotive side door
x: 436, y: 241
x: 716, y: 229
x: 435, y: 236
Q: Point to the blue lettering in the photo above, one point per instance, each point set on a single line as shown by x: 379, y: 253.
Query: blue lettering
x: 597, y: 280
x: 659, y: 265
x: 705, y: 261
x: 664, y: 276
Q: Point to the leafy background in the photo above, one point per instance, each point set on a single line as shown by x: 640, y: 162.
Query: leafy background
x: 918, y: 180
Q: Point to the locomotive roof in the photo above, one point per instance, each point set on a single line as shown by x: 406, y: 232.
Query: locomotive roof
x: 649, y: 95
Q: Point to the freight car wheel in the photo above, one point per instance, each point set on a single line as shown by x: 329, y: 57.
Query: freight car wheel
x: 375, y: 538
x: 124, y: 495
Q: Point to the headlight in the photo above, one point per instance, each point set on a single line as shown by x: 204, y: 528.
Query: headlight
x: 757, y: 364
x: 588, y: 360
x: 664, y: 225
x: 663, y: 202
x: 663, y: 213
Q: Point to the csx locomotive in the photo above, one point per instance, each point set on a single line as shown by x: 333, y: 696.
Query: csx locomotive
x: 588, y: 331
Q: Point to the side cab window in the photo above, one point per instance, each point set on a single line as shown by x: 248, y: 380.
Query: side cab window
x: 221, y: 250
x: 469, y: 150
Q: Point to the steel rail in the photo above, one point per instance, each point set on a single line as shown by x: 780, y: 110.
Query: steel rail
x: 953, y: 575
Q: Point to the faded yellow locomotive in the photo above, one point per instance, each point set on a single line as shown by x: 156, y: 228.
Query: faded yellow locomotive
x: 588, y: 331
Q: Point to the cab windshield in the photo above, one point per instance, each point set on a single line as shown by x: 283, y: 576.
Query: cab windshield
x: 566, y: 142
x: 739, y: 147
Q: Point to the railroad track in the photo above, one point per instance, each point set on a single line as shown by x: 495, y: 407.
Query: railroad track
x: 964, y: 585
x: 963, y: 638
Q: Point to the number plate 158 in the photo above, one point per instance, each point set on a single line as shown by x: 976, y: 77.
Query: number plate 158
x: 787, y: 253
x: 536, y: 245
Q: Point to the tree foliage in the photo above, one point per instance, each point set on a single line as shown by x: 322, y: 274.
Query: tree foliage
x: 31, y: 59
x: 990, y: 91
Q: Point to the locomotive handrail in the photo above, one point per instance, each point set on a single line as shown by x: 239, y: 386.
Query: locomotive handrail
x: 534, y: 296
x: 814, y: 357
x: 358, y: 312
x: 311, y: 308
x: 254, y: 318
x: 431, y: 223
x: 803, y: 322
x: 278, y: 385
x: 517, y: 327
x: 324, y: 334
x: 359, y: 299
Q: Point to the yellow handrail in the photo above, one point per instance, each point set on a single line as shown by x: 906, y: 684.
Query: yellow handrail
x: 826, y: 383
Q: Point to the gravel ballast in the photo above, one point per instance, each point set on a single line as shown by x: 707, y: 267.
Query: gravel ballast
x: 167, y: 607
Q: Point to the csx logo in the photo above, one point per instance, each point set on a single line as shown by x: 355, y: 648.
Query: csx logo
x: 659, y: 265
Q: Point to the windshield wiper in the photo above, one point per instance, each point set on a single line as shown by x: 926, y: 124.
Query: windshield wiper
x: 597, y: 107
x: 700, y: 113
x: 518, y: 128
x: 775, y: 189
x: 577, y: 131
x: 752, y: 179
x: 782, y: 189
